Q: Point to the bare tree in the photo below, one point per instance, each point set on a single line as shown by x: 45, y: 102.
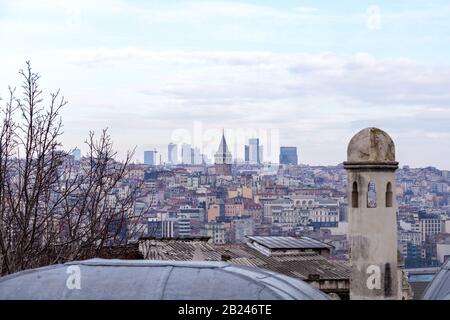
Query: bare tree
x: 52, y: 208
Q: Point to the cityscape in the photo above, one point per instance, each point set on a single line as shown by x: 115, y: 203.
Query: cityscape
x: 224, y: 152
x: 227, y: 201
x: 187, y: 195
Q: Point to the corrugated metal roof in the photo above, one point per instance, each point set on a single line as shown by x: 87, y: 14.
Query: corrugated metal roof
x: 178, y: 250
x: 289, y: 242
x: 300, y: 265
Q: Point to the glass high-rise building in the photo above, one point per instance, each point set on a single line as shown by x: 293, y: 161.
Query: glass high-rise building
x: 150, y: 157
x: 254, y: 151
x: 198, y: 157
x: 187, y: 154
x: 172, y: 153
x: 288, y: 155
x: 247, y: 154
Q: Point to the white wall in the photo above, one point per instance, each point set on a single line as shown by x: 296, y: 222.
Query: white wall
x: 442, y: 250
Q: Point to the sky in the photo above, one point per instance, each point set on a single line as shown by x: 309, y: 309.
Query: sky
x: 308, y: 74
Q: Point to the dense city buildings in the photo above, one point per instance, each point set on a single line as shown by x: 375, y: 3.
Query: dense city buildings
x: 229, y: 202
x: 220, y: 207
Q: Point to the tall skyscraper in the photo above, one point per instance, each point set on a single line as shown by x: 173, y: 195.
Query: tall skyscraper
x: 253, y: 151
x: 172, y: 153
x: 198, y: 157
x: 223, y: 158
x: 260, y: 154
x: 186, y: 154
x: 150, y: 157
x: 288, y: 155
x: 372, y: 215
x: 247, y: 154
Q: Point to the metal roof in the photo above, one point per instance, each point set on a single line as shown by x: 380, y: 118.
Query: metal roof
x: 302, y: 265
x: 439, y: 288
x: 289, y: 242
x: 178, y: 250
x: 155, y: 280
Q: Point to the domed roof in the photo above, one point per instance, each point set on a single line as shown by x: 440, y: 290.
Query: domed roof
x: 155, y: 280
x: 439, y: 288
x: 371, y: 145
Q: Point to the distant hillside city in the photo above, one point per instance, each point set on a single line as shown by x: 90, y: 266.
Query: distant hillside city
x: 228, y: 201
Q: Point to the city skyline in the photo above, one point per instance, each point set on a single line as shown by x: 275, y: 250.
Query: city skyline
x: 164, y: 154
x: 317, y: 72
x: 225, y: 150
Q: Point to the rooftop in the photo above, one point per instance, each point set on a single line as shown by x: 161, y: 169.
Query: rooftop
x: 155, y: 280
x: 371, y: 145
x: 273, y: 242
x: 300, y: 265
x: 439, y: 288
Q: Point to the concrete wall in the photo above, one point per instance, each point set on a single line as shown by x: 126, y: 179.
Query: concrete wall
x: 373, y: 238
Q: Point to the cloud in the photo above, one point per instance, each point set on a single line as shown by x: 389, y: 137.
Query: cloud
x: 317, y: 101
x: 182, y: 11
x: 222, y: 77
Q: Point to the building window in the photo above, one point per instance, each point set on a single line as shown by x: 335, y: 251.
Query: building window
x: 355, y: 195
x: 389, y: 195
x: 371, y: 195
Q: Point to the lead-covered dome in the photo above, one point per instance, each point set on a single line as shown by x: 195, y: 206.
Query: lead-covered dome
x: 155, y: 280
x: 439, y: 288
x: 371, y: 145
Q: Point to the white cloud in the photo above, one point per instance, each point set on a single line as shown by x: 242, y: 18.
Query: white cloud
x: 316, y: 100
x: 161, y: 12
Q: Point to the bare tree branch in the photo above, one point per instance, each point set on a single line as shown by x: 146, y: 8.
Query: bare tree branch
x: 52, y: 208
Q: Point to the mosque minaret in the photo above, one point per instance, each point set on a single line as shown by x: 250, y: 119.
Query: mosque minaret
x: 371, y: 170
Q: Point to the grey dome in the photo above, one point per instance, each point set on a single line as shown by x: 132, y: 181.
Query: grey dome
x: 156, y: 280
x: 371, y: 145
x: 439, y: 288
